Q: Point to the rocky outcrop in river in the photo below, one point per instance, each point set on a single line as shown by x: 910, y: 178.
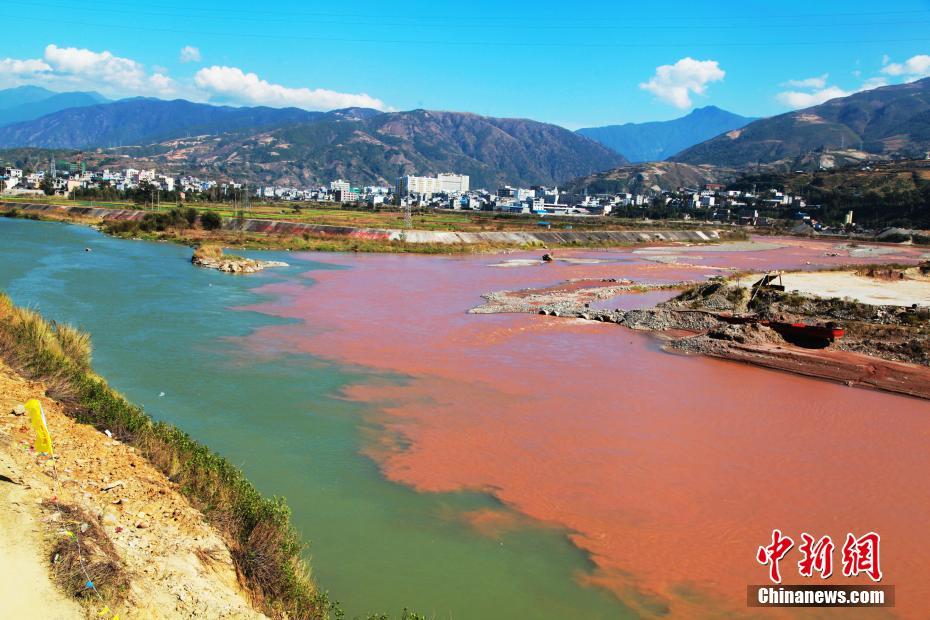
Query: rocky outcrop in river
x: 212, y: 257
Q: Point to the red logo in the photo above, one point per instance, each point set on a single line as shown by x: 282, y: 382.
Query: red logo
x: 860, y: 555
x: 774, y: 553
x: 818, y: 556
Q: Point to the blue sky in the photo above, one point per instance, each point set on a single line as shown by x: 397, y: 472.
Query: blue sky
x: 574, y: 64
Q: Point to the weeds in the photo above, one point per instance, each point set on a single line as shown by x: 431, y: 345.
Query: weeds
x: 264, y: 546
x: 90, y: 556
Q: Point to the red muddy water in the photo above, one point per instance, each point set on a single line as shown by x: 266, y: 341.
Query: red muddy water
x: 669, y: 471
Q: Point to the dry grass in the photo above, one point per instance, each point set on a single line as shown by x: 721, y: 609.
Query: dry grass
x: 43, y: 349
x: 264, y: 546
x: 87, y: 554
x: 208, y: 251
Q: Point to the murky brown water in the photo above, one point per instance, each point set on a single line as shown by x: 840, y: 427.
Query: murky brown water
x: 669, y: 471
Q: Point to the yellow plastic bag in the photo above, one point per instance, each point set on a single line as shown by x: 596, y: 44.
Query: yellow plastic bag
x: 37, y: 417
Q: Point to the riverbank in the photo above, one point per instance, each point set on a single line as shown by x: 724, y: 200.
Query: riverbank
x: 883, y: 346
x: 292, y: 235
x: 148, y: 552
x: 151, y: 498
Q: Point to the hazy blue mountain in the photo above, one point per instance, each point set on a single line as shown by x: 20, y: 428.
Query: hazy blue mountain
x: 26, y: 103
x: 12, y: 97
x: 145, y: 120
x: 658, y: 140
x: 892, y: 121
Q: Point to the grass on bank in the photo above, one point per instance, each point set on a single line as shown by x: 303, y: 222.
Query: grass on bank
x: 322, y: 242
x: 265, y: 547
x: 192, y: 227
x: 386, y: 216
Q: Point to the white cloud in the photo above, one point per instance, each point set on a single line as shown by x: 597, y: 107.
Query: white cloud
x: 814, y: 91
x: 874, y: 82
x: 675, y: 83
x: 13, y: 66
x: 105, y: 71
x: 813, y: 82
x: 72, y: 68
x: 235, y: 84
x: 798, y: 99
x: 189, y: 53
x: 914, y: 67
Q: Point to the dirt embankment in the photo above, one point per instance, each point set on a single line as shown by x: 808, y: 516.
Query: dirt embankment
x: 884, y: 346
x: 567, y: 299
x: 100, y: 512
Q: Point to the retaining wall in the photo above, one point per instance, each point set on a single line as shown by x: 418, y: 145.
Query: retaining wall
x: 277, y: 227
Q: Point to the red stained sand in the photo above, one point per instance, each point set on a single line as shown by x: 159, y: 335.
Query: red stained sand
x: 669, y: 471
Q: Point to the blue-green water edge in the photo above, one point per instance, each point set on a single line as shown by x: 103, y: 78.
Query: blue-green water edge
x: 165, y: 336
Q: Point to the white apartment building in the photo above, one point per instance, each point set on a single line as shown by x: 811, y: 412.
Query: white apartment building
x: 339, y: 185
x: 427, y: 186
x: 453, y: 183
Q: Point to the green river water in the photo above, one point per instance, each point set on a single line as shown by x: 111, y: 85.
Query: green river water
x: 164, y: 334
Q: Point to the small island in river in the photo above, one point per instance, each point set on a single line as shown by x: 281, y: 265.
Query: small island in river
x: 212, y: 257
x: 861, y: 326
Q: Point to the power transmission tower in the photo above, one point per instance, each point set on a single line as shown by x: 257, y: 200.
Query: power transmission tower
x: 408, y: 216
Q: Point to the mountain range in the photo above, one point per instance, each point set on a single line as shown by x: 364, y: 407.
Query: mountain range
x: 650, y: 177
x: 291, y: 145
x: 656, y: 141
x: 140, y: 121
x: 892, y: 121
x: 382, y: 147
x: 299, y: 147
x: 25, y: 103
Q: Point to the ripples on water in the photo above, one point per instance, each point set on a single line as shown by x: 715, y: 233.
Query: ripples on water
x: 518, y: 431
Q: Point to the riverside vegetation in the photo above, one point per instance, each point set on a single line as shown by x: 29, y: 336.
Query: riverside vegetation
x: 264, y: 546
x: 193, y: 227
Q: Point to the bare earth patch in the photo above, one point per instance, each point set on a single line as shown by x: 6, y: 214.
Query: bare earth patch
x: 177, y: 566
x: 869, y: 290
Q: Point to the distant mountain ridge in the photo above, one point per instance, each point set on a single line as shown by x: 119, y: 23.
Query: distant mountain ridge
x: 649, y: 177
x: 144, y: 121
x: 25, y: 103
x: 301, y: 147
x: 892, y: 121
x: 492, y: 151
x: 658, y: 140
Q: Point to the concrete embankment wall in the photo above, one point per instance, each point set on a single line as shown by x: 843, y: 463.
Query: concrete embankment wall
x: 277, y: 227
x: 76, y: 211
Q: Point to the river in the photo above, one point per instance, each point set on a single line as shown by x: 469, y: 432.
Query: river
x: 497, y: 466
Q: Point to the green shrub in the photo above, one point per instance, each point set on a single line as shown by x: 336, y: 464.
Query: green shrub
x: 211, y: 220
x: 190, y: 214
x: 124, y: 228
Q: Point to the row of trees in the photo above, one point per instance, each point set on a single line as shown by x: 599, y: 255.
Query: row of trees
x: 177, y: 218
x: 146, y: 193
